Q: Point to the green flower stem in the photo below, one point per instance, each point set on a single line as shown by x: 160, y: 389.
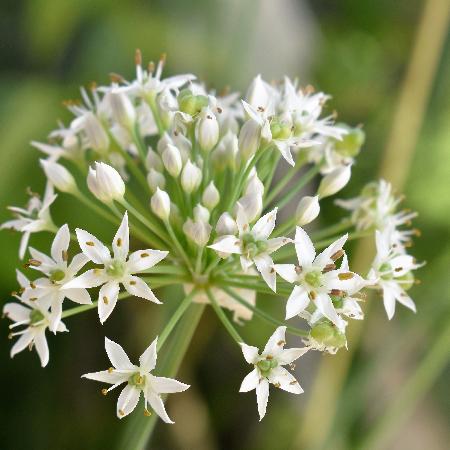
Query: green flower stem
x: 306, y: 178
x: 95, y: 208
x: 223, y: 318
x: 137, y: 138
x: 152, y: 103
x: 140, y: 428
x: 283, y: 182
x: 286, y: 228
x: 411, y: 392
x: 198, y: 263
x: 263, y: 315
x: 176, y: 316
x: 273, y: 163
x: 166, y: 269
x: 339, y: 227
x: 178, y: 246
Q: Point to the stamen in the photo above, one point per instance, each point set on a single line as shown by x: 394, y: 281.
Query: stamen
x: 312, y: 295
x: 34, y: 262
x: 219, y: 110
x: 119, y: 242
x: 104, y: 391
x: 328, y: 268
x: 298, y: 270
x: 132, y: 283
x: 32, y: 285
x: 281, y: 343
x: 269, y: 357
x: 346, y: 276
x: 90, y: 243
x: 121, y: 412
x: 147, y: 413
x: 337, y: 255
x: 293, y: 382
x: 144, y: 255
x: 111, y: 370
x: 277, y: 385
x: 105, y: 300
x: 138, y: 57
x: 116, y: 78
x: 65, y: 255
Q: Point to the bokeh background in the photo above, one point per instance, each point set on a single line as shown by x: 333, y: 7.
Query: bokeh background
x: 387, y: 65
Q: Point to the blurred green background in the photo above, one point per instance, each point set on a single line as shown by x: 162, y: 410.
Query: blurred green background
x: 387, y: 66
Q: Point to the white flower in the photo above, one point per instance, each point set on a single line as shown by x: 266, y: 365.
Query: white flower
x: 207, y: 130
x: 334, y: 181
x: 59, y: 272
x: 36, y: 217
x: 316, y: 278
x: 307, y: 210
x: 105, y: 183
x: 59, y: 176
x: 392, y: 270
x: 122, y: 108
x: 253, y: 244
x: 116, y: 270
x: 35, y: 316
x: 197, y: 231
x: 138, y: 378
x: 268, y: 368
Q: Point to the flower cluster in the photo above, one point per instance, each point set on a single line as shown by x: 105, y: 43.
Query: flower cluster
x: 188, y: 179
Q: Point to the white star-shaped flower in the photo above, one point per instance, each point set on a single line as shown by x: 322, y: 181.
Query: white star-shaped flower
x: 117, y: 269
x: 59, y: 272
x: 253, y: 244
x: 138, y: 378
x: 35, y: 317
x: 268, y: 368
x: 316, y: 278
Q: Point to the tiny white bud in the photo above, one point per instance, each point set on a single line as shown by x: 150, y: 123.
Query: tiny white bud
x: 226, y: 225
x: 191, y: 177
x: 172, y: 160
x: 95, y: 133
x: 260, y: 94
x: 59, y: 176
x: 163, y: 142
x: 105, y: 183
x: 252, y: 204
x: 207, y: 130
x: 160, y: 204
x: 184, y: 145
x: 249, y: 138
x: 211, y: 196
x: 155, y: 180
x: 225, y: 153
x: 122, y: 109
x: 254, y: 185
x: 201, y: 214
x: 153, y: 161
x: 307, y: 210
x: 334, y: 181
x: 197, y: 232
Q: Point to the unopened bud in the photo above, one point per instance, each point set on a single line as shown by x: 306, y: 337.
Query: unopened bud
x: 225, y: 153
x: 197, y: 232
x: 207, y: 130
x: 155, y: 180
x: 172, y: 160
x: 254, y: 185
x: 351, y: 143
x: 160, y: 204
x: 191, y: 177
x: 153, y: 161
x: 201, y: 214
x: 249, y: 138
x: 307, y: 210
x: 95, y: 133
x: 334, y: 181
x: 122, y: 109
x: 211, y: 196
x: 59, y: 176
x: 226, y: 225
x: 105, y: 183
x: 259, y: 94
x: 252, y: 204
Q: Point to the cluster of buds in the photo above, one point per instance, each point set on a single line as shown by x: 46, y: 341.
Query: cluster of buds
x: 187, y: 178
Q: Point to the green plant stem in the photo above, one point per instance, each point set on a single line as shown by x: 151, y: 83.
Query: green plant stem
x: 139, y: 431
x: 179, y: 247
x: 95, y: 208
x: 152, y: 103
x: 223, y: 318
x: 82, y: 308
x: 331, y: 230
x: 259, y: 287
x: 262, y: 314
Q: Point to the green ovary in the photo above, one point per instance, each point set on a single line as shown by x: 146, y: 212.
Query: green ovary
x: 266, y: 365
x: 314, y: 278
x: 36, y: 316
x: 57, y: 275
x: 137, y: 380
x: 116, y: 269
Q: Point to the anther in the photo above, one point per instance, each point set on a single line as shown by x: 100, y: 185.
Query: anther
x: 219, y: 110
x: 269, y: 357
x: 13, y: 293
x: 277, y: 385
x: 398, y: 269
x: 32, y: 285
x: 337, y: 292
x: 121, y: 412
x: 119, y: 242
x: 10, y: 335
x: 328, y: 268
x: 346, y: 276
x: 115, y: 77
x: 105, y: 300
x: 280, y: 343
x: 90, y: 243
x: 33, y: 299
x: 138, y: 57
x: 147, y: 413
x: 209, y: 117
x: 162, y: 58
x: 337, y: 255
x: 64, y: 255
x: 150, y: 67
x: 293, y: 382
x: 312, y: 295
x: 298, y: 270
x: 34, y: 262
x: 132, y: 283
x: 104, y: 391
x: 144, y: 255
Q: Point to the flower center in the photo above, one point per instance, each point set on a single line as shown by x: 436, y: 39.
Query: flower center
x: 266, y: 365
x: 57, y: 275
x: 36, y: 316
x: 116, y: 269
x: 137, y: 380
x: 386, y: 271
x: 252, y: 246
x: 314, y: 278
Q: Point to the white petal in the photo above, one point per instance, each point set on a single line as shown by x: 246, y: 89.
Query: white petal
x: 16, y: 312
x: 105, y: 376
x: 326, y: 307
x: 55, y: 316
x: 285, y: 149
x: 147, y: 360
x: 21, y: 343
x: 91, y: 278
x: 95, y: 250
x: 245, y: 263
x: 250, y: 353
x: 297, y: 302
x: 144, y: 259
x: 262, y: 397
x: 276, y: 243
x: 121, y: 242
x: 128, y: 399
x: 136, y: 286
x: 250, y: 381
x: 107, y: 299
x: 324, y: 257
x: 41, y: 347
x: 24, y: 244
x: 389, y: 301
x: 46, y: 262
x: 304, y: 247
x: 264, y: 226
x: 60, y: 244
x: 77, y: 263
x: 117, y: 355
x: 276, y: 342
x: 163, y: 385
x: 284, y: 380
x: 78, y: 295
x: 157, y: 405
x: 287, y: 272
x: 289, y: 355
x: 264, y: 264
x: 227, y: 244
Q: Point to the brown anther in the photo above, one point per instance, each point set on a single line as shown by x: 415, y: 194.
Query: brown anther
x: 337, y: 292
x: 147, y: 413
x: 33, y: 299
x: 328, y: 268
x: 260, y: 109
x: 269, y: 357
x: 64, y: 255
x: 115, y: 77
x: 34, y: 262
x: 144, y: 255
x: 21, y: 290
x: 119, y: 242
x: 209, y: 117
x: 10, y: 336
x: 138, y: 57
x: 298, y: 270
x: 14, y: 293
x: 417, y: 232
x: 104, y: 391
x: 398, y: 269
x: 312, y: 295
x: 121, y: 412
x: 272, y: 270
x: 292, y: 366
x: 280, y: 343
x: 90, y: 243
x: 334, y: 114
x: 293, y: 382
x: 97, y: 271
x: 150, y: 67
x: 132, y: 283
x: 219, y: 110
x: 162, y: 58
x: 346, y: 276
x: 277, y: 385
x: 337, y: 255
x: 105, y: 300
x: 32, y: 285
x: 309, y: 89
x: 111, y: 370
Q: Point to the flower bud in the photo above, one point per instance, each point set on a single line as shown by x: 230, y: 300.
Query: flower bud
x: 334, y: 181
x: 153, y: 161
x: 155, y: 180
x: 105, y: 183
x: 260, y: 93
x: 163, y: 142
x: 307, y: 210
x: 254, y: 185
x: 211, y: 196
x: 172, y: 160
x: 201, y: 214
x: 249, y: 138
x: 207, y: 130
x: 184, y: 146
x: 226, y: 225
x: 325, y: 333
x: 160, y: 204
x: 191, y: 177
x: 59, y: 176
x: 122, y: 109
x: 351, y: 143
x: 252, y: 204
x: 95, y: 133
x: 197, y: 232
x: 226, y: 151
